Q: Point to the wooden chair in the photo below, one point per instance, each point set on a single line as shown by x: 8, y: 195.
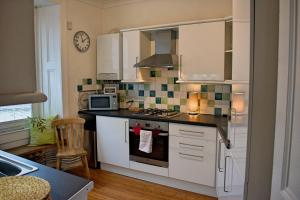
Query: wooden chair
x: 70, y: 141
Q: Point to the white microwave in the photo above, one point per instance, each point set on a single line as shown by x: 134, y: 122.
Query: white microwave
x: 103, y: 102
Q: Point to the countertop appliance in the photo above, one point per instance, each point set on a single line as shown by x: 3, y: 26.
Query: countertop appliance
x: 160, y: 149
x: 103, y: 102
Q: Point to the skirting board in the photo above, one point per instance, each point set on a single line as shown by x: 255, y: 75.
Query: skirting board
x: 183, y: 185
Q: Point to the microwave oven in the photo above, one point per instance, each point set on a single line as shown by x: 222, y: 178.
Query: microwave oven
x: 103, y: 102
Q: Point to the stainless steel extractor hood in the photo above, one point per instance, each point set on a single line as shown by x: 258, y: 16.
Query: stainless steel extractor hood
x: 165, y: 51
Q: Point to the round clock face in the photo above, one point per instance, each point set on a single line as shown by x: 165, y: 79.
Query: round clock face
x: 81, y: 41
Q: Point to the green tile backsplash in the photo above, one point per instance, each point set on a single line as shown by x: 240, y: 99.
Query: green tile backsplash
x: 164, y: 93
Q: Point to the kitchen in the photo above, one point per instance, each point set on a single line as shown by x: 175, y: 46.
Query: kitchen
x: 165, y: 89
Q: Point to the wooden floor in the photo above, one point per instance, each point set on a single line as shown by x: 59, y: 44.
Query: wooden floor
x: 110, y: 186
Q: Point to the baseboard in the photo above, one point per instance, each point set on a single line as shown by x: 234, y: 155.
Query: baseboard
x: 167, y: 181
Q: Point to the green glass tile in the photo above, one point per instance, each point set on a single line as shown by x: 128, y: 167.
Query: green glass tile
x: 152, y: 105
x: 218, y: 96
x: 183, y: 101
x: 158, y: 74
x: 122, y: 86
x: 218, y: 111
x: 171, y: 80
x: 211, y: 88
x: 170, y: 94
x: 164, y: 100
x: 164, y: 87
x: 146, y: 86
x: 130, y: 86
x: 141, y: 93
x: 84, y: 81
x: 152, y: 73
x: 203, y: 95
x: 89, y: 81
x: 79, y: 88
x: 170, y: 107
x: 99, y: 82
x: 176, y: 87
x: 141, y: 105
x: 158, y: 100
x: 175, y: 79
x: 204, y: 88
x: 226, y: 96
x: 211, y: 103
x: 152, y: 93
x: 177, y: 108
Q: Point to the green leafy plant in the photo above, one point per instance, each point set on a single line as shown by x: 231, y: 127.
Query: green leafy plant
x: 39, y: 123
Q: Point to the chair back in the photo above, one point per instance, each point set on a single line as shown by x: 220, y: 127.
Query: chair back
x: 69, y: 133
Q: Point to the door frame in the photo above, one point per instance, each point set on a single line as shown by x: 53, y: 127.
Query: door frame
x: 288, y: 36
x: 262, y: 100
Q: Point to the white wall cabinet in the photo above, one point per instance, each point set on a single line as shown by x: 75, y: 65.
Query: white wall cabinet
x: 241, y: 41
x: 109, y: 57
x: 201, y: 51
x: 113, y: 141
x: 136, y: 46
x: 192, y: 153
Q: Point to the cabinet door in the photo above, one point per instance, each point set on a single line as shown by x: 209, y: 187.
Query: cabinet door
x: 192, y: 160
x: 241, y: 51
x: 112, y: 141
x: 201, y: 51
x: 131, y: 54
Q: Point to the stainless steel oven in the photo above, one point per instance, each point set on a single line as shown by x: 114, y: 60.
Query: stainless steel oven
x: 160, y: 142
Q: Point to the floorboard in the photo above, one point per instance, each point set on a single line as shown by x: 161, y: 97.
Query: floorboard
x: 110, y: 186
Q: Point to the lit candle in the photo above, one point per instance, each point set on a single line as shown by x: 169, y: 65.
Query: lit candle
x: 238, y: 102
x: 193, y: 103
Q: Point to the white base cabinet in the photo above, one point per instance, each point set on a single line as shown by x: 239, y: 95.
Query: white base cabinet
x: 192, y: 154
x: 113, y: 141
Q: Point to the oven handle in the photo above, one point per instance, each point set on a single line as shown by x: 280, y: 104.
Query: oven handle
x: 162, y: 133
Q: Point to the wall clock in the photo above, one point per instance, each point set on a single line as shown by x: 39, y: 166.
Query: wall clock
x: 81, y: 41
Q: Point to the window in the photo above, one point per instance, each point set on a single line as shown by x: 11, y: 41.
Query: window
x: 16, y: 112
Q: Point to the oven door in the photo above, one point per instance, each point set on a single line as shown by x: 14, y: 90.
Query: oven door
x: 100, y: 102
x: 160, y: 150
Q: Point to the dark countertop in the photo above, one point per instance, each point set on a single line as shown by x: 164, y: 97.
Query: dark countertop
x: 63, y: 185
x: 201, y: 120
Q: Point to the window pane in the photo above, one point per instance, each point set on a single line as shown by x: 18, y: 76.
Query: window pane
x: 10, y: 113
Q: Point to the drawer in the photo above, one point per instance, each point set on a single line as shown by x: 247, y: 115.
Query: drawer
x: 192, y: 146
x: 192, y: 161
x: 192, y: 131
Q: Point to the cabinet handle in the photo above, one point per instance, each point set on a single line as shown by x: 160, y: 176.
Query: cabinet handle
x: 225, y: 174
x: 219, y: 156
x: 191, y: 157
x: 125, y: 133
x: 136, y: 69
x: 191, y: 146
x: 192, y: 133
x: 180, y: 66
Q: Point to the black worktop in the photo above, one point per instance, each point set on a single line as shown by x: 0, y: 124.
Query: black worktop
x: 201, y: 120
x: 63, y: 185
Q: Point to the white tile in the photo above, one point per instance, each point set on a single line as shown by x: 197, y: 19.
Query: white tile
x: 219, y: 88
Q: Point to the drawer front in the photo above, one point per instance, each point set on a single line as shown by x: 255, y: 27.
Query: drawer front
x: 192, y: 131
x: 192, y: 161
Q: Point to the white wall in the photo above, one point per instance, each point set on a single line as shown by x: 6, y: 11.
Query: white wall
x: 135, y: 13
x: 81, y: 65
x: 85, y: 15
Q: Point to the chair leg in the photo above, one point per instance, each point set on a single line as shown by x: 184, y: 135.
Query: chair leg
x: 58, y: 163
x: 86, y: 166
